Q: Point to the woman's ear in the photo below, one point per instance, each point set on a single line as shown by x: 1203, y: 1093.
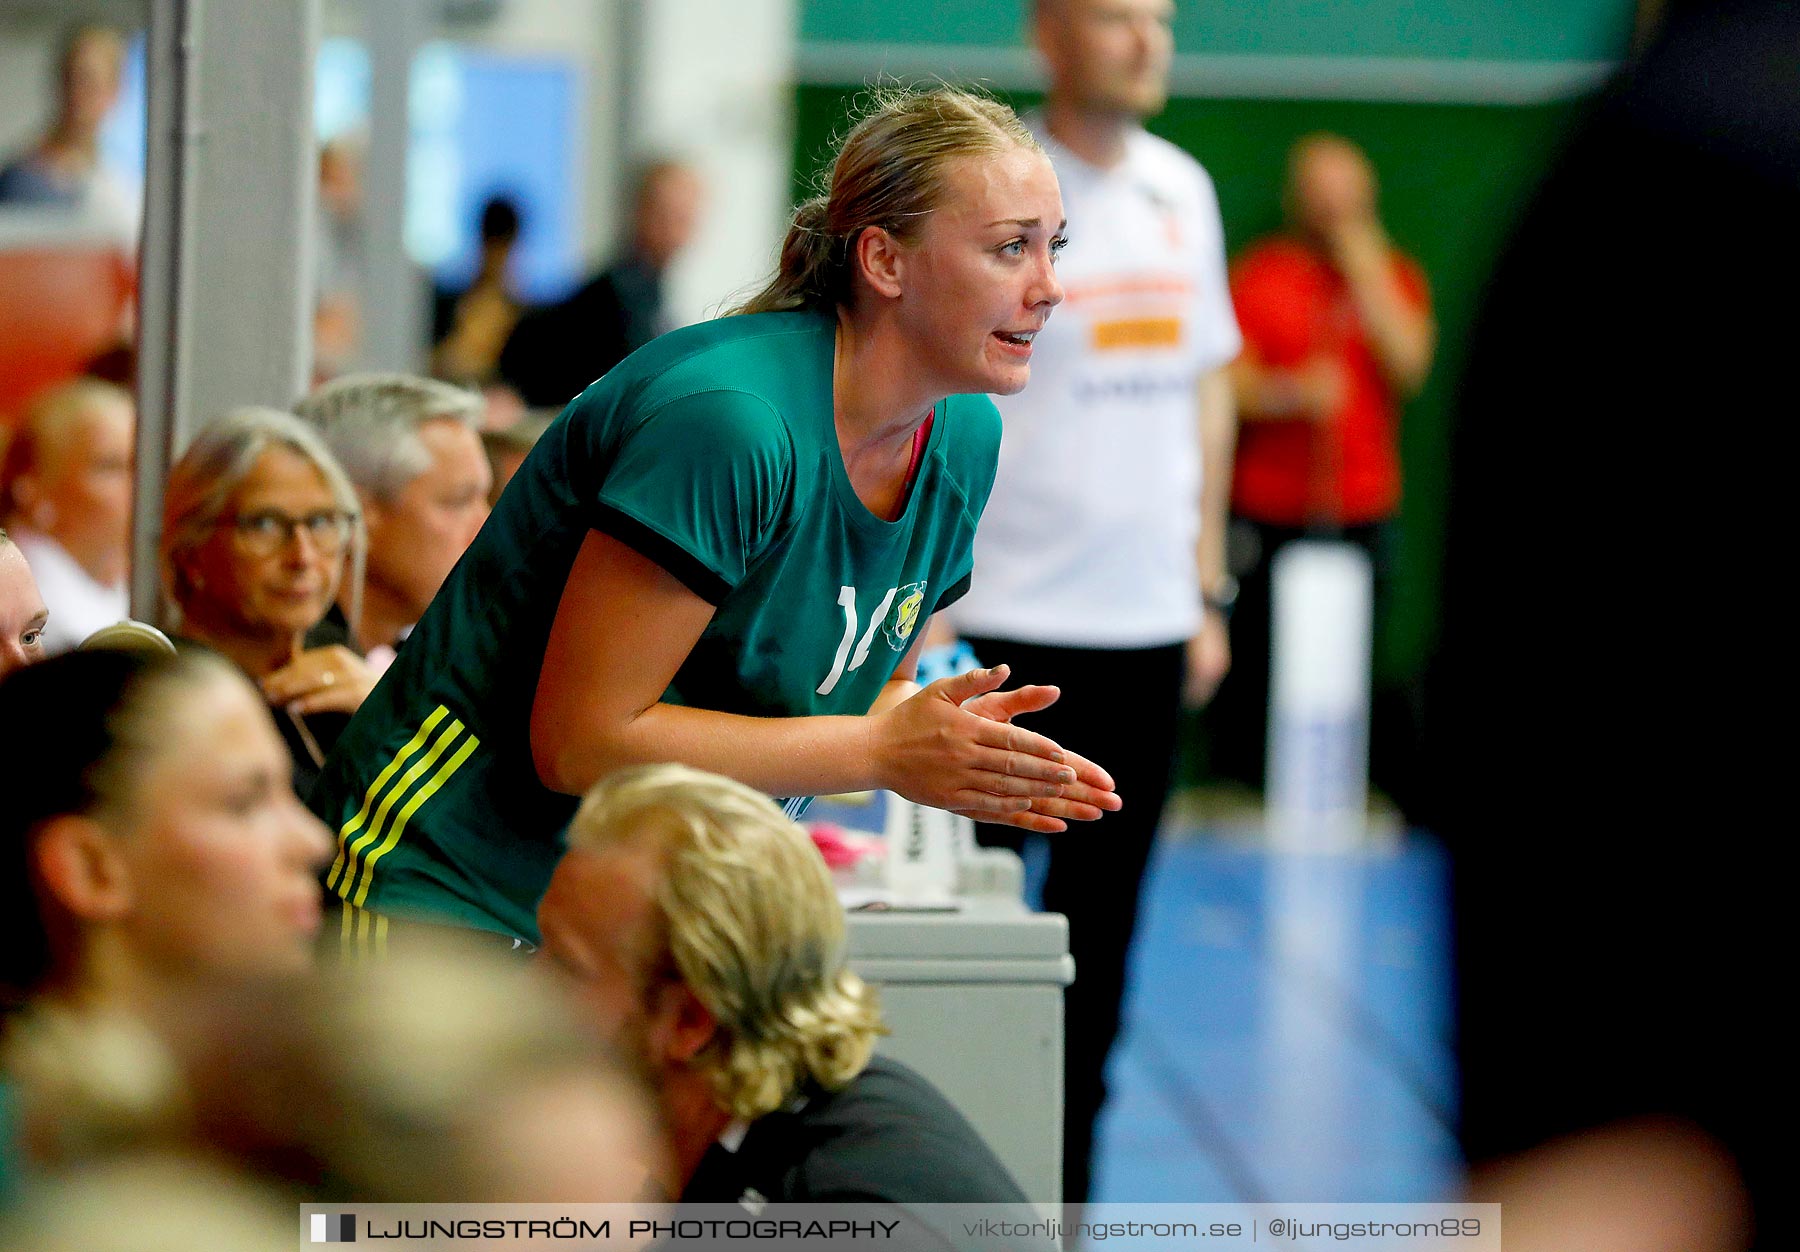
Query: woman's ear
x: 374, y: 513
x: 187, y: 570
x: 881, y: 261
x: 681, y: 1025
x: 80, y: 867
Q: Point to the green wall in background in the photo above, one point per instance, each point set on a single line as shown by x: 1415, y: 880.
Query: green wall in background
x: 1498, y: 30
x: 1453, y: 177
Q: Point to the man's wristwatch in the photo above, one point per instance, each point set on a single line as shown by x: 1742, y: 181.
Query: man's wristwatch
x: 1223, y: 596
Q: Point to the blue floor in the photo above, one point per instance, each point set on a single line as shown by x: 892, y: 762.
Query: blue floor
x: 1287, y: 1038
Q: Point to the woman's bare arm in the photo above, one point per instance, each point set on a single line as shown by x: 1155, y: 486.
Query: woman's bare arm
x: 624, y: 627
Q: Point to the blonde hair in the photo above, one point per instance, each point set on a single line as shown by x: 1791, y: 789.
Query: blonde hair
x: 890, y: 172
x: 406, y: 1064
x: 52, y: 416
x: 203, y: 481
x: 752, y: 926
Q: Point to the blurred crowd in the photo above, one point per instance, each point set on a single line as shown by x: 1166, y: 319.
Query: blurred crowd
x: 166, y: 1029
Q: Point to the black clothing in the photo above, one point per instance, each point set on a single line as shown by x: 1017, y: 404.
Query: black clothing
x: 555, y: 352
x: 1122, y: 708
x: 1608, y: 786
x: 889, y: 1137
x: 333, y: 628
x: 308, y: 739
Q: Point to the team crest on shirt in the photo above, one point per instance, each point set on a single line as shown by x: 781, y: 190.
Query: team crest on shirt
x: 900, y: 623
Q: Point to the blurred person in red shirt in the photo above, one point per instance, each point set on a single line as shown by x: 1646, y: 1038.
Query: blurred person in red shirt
x: 1338, y: 334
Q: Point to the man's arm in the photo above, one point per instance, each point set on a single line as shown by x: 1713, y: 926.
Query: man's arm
x: 1209, y: 652
x: 1402, y: 335
x: 1310, y: 392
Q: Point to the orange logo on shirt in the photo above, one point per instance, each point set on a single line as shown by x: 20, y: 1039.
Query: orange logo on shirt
x: 1137, y: 332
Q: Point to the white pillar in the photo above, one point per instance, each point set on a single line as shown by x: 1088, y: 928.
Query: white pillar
x: 225, y: 312
x: 393, y: 295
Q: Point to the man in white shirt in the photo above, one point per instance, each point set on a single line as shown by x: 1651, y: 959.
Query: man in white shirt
x: 1099, y: 563
x: 69, y: 505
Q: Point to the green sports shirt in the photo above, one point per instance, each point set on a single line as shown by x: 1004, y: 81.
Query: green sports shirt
x: 713, y: 451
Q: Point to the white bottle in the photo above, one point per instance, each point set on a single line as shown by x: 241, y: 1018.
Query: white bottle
x: 921, y: 851
x: 1317, y: 787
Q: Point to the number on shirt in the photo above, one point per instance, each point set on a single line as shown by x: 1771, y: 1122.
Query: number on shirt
x: 847, y: 601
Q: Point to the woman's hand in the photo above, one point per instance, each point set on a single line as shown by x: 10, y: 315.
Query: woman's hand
x: 1092, y: 792
x: 968, y: 757
x: 321, y: 680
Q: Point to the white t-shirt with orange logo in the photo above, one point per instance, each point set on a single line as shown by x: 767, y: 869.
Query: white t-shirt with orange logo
x: 1088, y: 539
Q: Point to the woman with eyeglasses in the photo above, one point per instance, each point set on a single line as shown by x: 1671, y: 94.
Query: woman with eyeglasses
x: 258, y: 523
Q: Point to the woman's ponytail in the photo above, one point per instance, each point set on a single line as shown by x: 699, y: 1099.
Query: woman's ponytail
x: 809, y: 273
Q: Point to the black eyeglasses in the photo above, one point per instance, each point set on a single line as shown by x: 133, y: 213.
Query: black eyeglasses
x: 268, y: 531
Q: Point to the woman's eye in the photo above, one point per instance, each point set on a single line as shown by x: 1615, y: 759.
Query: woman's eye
x: 1014, y: 247
x: 1057, y: 245
x: 32, y: 639
x: 246, y: 800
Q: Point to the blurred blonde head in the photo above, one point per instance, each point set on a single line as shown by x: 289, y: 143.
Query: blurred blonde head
x: 158, y: 1202
x: 68, y: 473
x: 749, y: 923
x: 445, y: 1071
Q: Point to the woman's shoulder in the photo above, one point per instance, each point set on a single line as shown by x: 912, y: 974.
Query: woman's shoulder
x: 973, y: 426
x: 753, y: 352
x: 742, y: 376
x: 969, y: 449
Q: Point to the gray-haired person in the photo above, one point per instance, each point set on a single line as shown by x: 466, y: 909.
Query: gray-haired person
x: 412, y: 448
x: 261, y: 531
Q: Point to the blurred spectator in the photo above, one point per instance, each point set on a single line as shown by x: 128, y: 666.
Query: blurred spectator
x: 68, y: 501
x: 258, y: 521
x: 471, y: 326
x: 702, y: 932
x: 1609, y: 749
x: 342, y: 264
x: 442, y: 1072
x: 558, y: 351
x: 411, y: 448
x: 508, y: 447
x: 154, y: 849
x: 1337, y: 335
x: 22, y: 612
x: 63, y: 168
x: 151, y: 1203
x: 1101, y: 556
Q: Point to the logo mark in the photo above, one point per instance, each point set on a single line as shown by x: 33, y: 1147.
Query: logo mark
x: 334, y: 1227
x: 899, y: 627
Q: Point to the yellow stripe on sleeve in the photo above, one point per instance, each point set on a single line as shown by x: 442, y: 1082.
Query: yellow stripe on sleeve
x: 381, y: 780
x: 373, y: 834
x: 412, y: 806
